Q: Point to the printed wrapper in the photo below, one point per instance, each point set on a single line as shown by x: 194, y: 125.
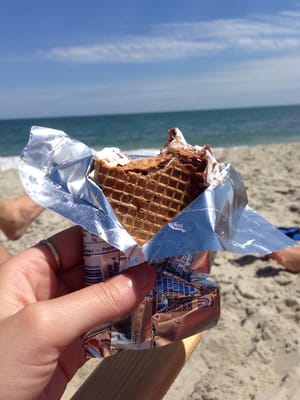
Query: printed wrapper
x: 182, y: 302
x: 56, y: 172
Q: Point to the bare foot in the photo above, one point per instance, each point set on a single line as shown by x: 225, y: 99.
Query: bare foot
x: 289, y: 258
x: 16, y: 215
x: 4, y: 254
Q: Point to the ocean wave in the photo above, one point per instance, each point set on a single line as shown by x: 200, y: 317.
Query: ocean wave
x: 142, y: 152
x: 12, y: 162
x: 9, y: 163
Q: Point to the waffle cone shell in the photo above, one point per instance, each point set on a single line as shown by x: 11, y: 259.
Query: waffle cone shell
x: 147, y: 193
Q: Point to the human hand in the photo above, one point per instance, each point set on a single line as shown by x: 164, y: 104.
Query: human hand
x: 44, y: 313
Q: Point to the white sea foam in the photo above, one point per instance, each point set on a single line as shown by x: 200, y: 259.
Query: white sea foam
x: 142, y: 152
x: 13, y: 161
x: 9, y: 163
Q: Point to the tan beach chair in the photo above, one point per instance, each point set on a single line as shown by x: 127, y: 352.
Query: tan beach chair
x: 138, y: 374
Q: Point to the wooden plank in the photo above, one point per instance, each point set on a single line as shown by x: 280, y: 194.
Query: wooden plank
x: 138, y: 374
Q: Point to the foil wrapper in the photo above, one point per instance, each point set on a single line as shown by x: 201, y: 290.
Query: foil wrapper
x: 56, y: 172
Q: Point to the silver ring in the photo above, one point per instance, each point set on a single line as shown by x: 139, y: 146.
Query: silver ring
x: 53, y: 251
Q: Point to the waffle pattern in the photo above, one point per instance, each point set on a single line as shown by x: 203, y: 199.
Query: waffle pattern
x: 144, y: 202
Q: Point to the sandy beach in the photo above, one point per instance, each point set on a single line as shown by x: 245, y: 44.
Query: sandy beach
x: 254, y: 351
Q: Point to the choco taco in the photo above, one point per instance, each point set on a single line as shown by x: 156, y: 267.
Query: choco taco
x: 147, y: 193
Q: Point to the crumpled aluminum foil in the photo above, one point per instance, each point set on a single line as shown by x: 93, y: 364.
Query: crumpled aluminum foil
x: 56, y: 172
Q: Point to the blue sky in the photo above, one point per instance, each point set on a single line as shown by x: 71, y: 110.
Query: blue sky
x: 70, y: 57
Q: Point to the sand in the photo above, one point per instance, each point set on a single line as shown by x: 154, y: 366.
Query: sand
x: 254, y: 351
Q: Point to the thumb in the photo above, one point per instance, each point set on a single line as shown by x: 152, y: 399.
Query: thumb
x: 64, y: 319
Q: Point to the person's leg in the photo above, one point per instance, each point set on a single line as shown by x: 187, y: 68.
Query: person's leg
x: 4, y: 254
x: 17, y: 214
x: 289, y: 258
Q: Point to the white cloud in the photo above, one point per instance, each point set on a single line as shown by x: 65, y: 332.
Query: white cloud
x: 134, y: 50
x: 182, y: 40
x: 248, y: 83
x: 292, y: 14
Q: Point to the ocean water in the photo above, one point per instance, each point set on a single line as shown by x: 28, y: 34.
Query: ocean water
x: 142, y: 133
